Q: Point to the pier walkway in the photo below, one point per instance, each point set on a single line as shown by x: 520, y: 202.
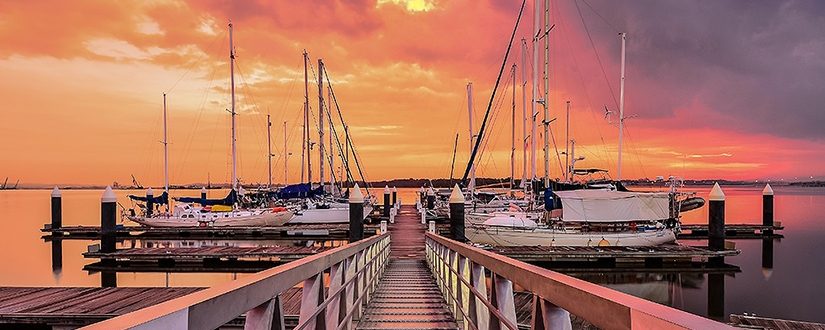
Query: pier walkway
x: 407, y: 296
x: 409, y: 279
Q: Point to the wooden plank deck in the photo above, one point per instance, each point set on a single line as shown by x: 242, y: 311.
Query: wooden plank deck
x: 757, y: 322
x: 76, y: 306
x: 407, y: 296
x: 302, y: 231
x: 592, y: 253
x: 277, y: 253
x: 732, y: 231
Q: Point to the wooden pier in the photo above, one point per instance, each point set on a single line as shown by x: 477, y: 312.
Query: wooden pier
x: 757, y: 322
x: 407, y: 297
x: 401, y: 268
x: 305, y: 231
x: 732, y: 231
x: 662, y: 253
x: 73, y: 307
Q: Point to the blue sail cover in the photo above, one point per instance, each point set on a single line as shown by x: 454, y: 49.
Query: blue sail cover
x: 229, y: 200
x: 301, y: 190
x: 162, y: 199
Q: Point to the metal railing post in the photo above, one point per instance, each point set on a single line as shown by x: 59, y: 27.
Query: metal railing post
x: 352, y: 287
x: 312, y: 295
x: 464, y: 273
x: 479, y: 315
x: 334, y: 312
x: 361, y: 283
x: 457, y: 291
x: 451, y: 282
x: 267, y: 316
x: 547, y: 316
x: 503, y: 300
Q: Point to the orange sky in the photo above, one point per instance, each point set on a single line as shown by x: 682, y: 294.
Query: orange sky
x: 82, y: 83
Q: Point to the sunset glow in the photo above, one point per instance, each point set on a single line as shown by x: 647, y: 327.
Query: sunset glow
x: 82, y: 84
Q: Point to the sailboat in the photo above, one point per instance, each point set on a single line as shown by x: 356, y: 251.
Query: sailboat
x: 582, y: 217
x: 210, y: 212
x: 319, y: 205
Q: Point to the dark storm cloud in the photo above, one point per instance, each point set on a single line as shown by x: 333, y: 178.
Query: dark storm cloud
x: 759, y: 66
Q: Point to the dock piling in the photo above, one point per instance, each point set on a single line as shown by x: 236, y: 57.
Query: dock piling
x: 767, y: 208
x: 57, y: 208
x: 150, y: 204
x: 108, y: 216
x: 394, y: 197
x: 356, y: 214
x: 430, y: 199
x: 716, y: 218
x: 203, y: 195
x: 386, y: 209
x: 457, y: 215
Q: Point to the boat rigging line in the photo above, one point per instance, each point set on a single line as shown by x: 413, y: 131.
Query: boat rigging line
x: 492, y: 97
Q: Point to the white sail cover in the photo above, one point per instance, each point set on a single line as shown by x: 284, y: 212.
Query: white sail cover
x: 590, y: 205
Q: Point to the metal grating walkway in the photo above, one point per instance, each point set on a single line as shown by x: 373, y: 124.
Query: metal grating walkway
x: 407, y: 296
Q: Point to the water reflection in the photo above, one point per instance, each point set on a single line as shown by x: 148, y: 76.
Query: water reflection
x: 716, y: 296
x: 767, y: 257
x: 57, y: 259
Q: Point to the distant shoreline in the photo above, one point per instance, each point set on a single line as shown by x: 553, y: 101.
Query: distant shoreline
x: 444, y: 183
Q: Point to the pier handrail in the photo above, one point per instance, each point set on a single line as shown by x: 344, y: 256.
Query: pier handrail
x: 460, y: 272
x: 352, y: 271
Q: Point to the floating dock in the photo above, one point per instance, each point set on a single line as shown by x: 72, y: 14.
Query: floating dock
x: 314, y: 231
x: 732, y: 231
x: 612, y: 254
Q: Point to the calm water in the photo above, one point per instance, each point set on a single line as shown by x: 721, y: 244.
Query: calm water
x: 790, y: 289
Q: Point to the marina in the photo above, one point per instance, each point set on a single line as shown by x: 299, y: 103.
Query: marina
x: 412, y: 164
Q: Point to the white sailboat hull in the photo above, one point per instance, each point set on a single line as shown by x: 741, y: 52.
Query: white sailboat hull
x: 219, y: 219
x: 330, y: 215
x: 502, y: 236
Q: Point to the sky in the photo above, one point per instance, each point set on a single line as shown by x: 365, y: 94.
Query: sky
x: 714, y: 89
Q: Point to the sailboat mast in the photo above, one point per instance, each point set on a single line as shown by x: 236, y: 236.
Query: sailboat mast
x: 232, y: 91
x: 269, y: 148
x: 321, y: 121
x: 567, y: 172
x: 513, y: 136
x: 623, y: 36
x: 535, y: 94
x: 452, y: 165
x: 286, y: 157
x: 546, y: 99
x: 307, y: 146
x: 524, y: 111
x: 165, y: 150
x: 333, y: 182
x: 472, y: 184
